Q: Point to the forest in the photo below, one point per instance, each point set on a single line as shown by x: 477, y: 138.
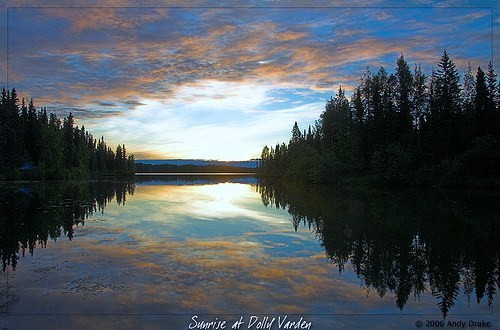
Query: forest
x: 35, y: 145
x: 400, y: 128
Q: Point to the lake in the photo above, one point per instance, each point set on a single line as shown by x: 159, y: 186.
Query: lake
x: 223, y: 252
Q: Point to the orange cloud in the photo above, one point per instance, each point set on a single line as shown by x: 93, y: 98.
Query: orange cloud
x: 107, y: 17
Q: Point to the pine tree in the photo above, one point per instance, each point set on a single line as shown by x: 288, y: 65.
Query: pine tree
x: 469, y: 100
x: 296, y: 135
x: 359, y: 127
x: 445, y: 109
x: 404, y: 90
x: 32, y: 133
x: 420, y: 102
x: 68, y: 140
x: 130, y: 165
x: 447, y: 87
x: 493, y: 101
x: 118, y: 160
x: 469, y: 90
x: 335, y: 120
x: 359, y: 111
x: 12, y: 139
x: 264, y: 160
x: 481, y: 103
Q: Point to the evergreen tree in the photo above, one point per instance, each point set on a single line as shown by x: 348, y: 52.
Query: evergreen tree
x: 359, y: 111
x: 335, y: 120
x: 11, y: 137
x: 359, y: 127
x: 296, y: 135
x: 481, y: 103
x: 404, y: 90
x: 493, y: 101
x: 491, y: 79
x: 420, y: 104
x: 101, y: 156
x: 445, y: 109
x: 469, y: 90
x: 130, y: 165
x: 119, y: 159
x: 469, y: 100
x: 68, y: 140
x: 264, y: 160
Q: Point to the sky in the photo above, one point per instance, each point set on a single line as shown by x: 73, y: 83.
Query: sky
x: 219, y: 80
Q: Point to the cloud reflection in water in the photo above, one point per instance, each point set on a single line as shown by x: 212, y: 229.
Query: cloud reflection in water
x: 174, y: 250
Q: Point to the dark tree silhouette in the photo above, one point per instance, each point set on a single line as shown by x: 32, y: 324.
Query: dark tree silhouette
x: 34, y: 145
x: 400, y: 128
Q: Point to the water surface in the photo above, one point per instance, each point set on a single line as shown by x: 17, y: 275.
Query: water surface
x: 171, y: 252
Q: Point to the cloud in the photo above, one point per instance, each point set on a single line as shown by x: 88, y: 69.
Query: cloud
x: 259, y: 50
x: 107, y: 18
x: 218, y: 95
x: 201, y: 120
x: 105, y: 104
x: 382, y: 15
x: 219, y: 60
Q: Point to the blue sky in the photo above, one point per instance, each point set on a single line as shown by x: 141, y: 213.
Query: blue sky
x: 219, y: 80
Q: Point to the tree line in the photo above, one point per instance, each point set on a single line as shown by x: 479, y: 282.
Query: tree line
x: 403, y: 127
x: 38, y: 145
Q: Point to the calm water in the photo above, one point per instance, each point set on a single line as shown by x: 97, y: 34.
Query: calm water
x: 175, y: 253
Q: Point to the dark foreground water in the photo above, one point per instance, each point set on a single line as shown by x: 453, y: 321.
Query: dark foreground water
x: 233, y: 253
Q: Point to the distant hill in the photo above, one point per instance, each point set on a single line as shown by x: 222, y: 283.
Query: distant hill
x: 198, y: 162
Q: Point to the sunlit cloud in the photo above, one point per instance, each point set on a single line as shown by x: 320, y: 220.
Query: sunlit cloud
x: 108, y: 18
x: 217, y: 69
x: 216, y: 120
x: 219, y: 95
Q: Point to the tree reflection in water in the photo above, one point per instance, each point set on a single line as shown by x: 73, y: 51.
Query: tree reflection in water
x: 29, y: 217
x: 405, y: 242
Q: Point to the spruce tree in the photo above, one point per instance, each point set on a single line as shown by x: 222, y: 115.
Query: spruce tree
x: 68, y: 140
x: 469, y: 90
x: 420, y: 102
x: 12, y: 130
x: 445, y: 109
x: 469, y: 100
x: 296, y: 135
x: 493, y: 101
x: 404, y: 88
x: 481, y: 103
